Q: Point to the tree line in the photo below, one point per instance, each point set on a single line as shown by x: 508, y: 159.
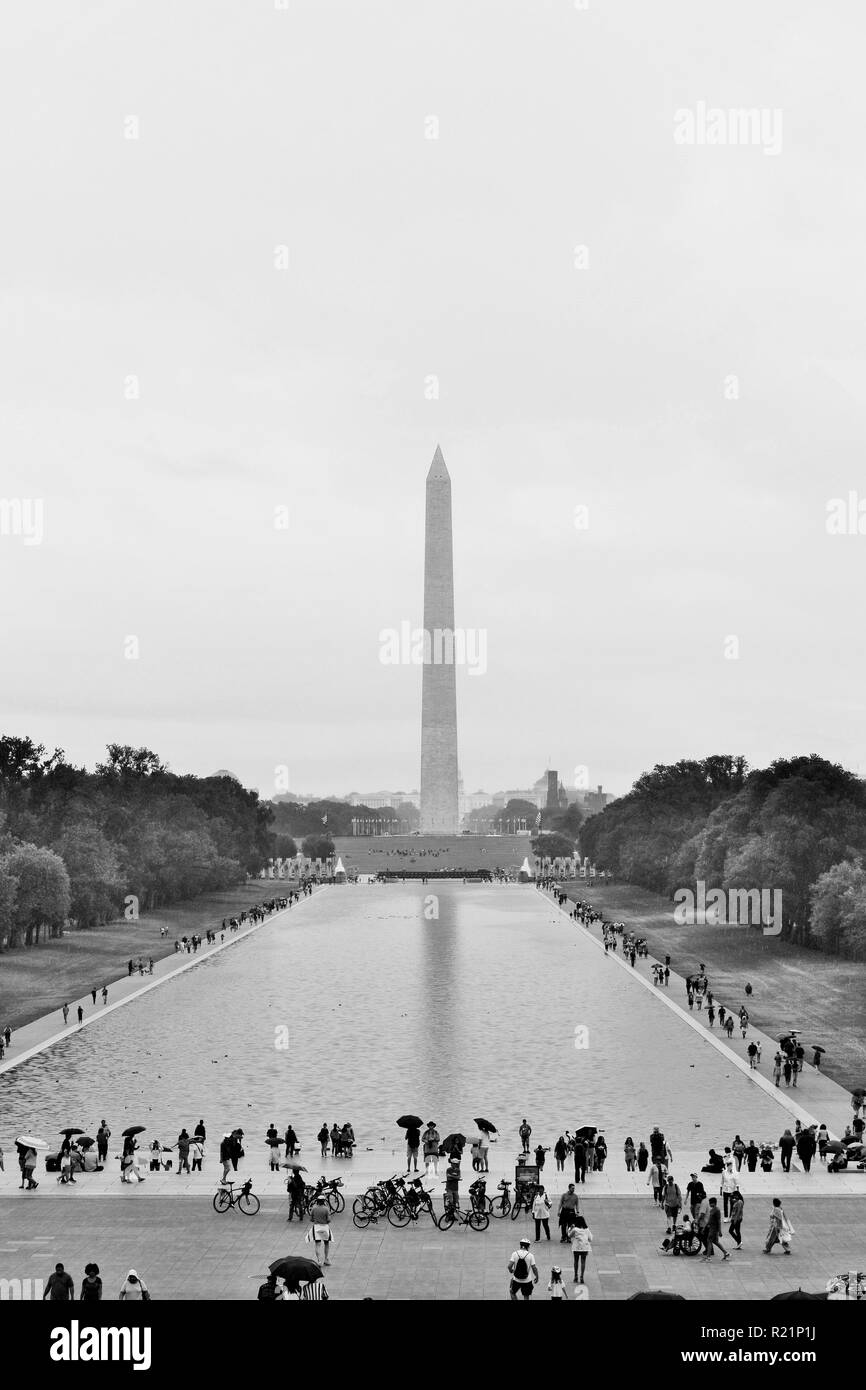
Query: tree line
x: 74, y: 845
x: 798, y: 826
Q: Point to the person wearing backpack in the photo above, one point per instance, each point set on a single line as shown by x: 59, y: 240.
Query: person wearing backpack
x: 541, y: 1213
x: 523, y: 1271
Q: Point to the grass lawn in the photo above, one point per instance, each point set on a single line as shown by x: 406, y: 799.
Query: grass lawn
x: 791, y: 987
x: 36, y: 981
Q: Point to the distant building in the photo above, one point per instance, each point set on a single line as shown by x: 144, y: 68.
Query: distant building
x: 593, y: 802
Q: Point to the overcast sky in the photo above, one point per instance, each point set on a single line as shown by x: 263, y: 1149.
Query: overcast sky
x: 697, y: 380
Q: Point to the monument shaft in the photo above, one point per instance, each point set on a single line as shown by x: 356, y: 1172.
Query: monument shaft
x: 439, y: 799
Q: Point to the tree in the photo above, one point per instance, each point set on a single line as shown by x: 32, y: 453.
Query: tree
x: 317, y: 847
x: 42, y: 892
x: 126, y: 761
x: 553, y: 847
x: 838, y: 902
x: 514, y: 810
x: 94, y: 873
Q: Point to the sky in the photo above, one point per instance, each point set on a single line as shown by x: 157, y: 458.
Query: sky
x: 258, y: 259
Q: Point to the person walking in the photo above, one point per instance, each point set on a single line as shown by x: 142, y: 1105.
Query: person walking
x: 560, y: 1150
x: 569, y: 1208
x: 541, y: 1213
x: 786, y: 1149
x: 780, y: 1231
x: 226, y: 1155
x: 93, y: 995
x: 59, y: 1288
x: 196, y: 1153
x: 729, y: 1186
x: 806, y: 1148
x: 736, y: 1223
x: 104, y: 995
x: 413, y: 1143
x: 629, y: 1154
x: 28, y: 1168
x: 580, y: 1237
x: 183, y: 1152
x: 523, y: 1271
x: 200, y: 1132
x: 291, y: 1142
x: 133, y: 1289
x: 91, y: 1285
x: 431, y: 1141
x: 65, y: 1012
x: 642, y: 1157
x: 654, y: 1179
x: 556, y: 1288
x: 579, y: 1160
x: 713, y: 1231
x: 80, y: 1014
x: 324, y: 1139
x: 672, y: 1200
x: 524, y: 1132
x: 320, y: 1231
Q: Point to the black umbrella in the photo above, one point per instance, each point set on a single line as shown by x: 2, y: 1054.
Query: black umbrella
x: 296, y: 1270
x: 586, y: 1132
x: 133, y: 1129
x: 487, y: 1126
x: 798, y: 1295
x: 85, y: 1142
x: 656, y: 1296
x: 453, y: 1141
x: 410, y: 1122
x: 70, y: 1130
x: 816, y: 1048
x: 835, y: 1146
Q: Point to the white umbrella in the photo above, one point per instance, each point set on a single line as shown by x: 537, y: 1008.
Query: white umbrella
x: 30, y: 1143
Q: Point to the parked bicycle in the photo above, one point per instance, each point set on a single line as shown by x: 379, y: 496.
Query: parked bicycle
x: 245, y: 1198
x: 328, y: 1190
x: 411, y: 1202
x: 500, y: 1206
x: 455, y: 1215
x: 524, y: 1196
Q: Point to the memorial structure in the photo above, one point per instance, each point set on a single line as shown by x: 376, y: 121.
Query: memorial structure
x: 439, y: 792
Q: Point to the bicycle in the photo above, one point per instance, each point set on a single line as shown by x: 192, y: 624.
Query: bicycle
x: 454, y: 1214
x: 409, y: 1204
x: 326, y: 1190
x: 376, y: 1201
x: 500, y: 1207
x: 245, y: 1199
x: 524, y: 1196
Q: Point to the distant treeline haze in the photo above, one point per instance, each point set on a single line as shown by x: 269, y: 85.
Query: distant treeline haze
x: 798, y: 826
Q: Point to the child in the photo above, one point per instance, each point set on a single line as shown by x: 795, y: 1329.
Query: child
x: 556, y: 1288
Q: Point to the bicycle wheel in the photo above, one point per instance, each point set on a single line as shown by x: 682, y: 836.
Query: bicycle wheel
x: 498, y: 1209
x: 222, y: 1200
x: 479, y: 1220
x: 399, y: 1215
x: 362, y: 1215
x: 517, y: 1208
x: 336, y: 1202
x: 446, y: 1220
x: 249, y: 1203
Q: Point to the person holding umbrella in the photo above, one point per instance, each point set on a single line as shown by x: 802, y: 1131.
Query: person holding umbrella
x: 412, y: 1126
x: 28, y: 1164
x: 485, y: 1129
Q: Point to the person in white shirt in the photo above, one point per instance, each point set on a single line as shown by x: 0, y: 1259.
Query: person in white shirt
x: 523, y: 1271
x: 134, y: 1288
x: 580, y: 1237
x: 541, y: 1212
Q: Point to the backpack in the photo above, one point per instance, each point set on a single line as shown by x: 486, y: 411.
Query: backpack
x: 521, y: 1269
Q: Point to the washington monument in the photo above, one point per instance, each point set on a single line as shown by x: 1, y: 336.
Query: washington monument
x: 439, y: 809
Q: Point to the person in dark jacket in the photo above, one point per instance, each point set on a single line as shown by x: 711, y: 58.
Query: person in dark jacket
x: 752, y: 1155
x: 786, y: 1149
x: 713, y: 1232
x: 806, y: 1149
x: 296, y: 1189
x: 579, y: 1160
x: 642, y: 1157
